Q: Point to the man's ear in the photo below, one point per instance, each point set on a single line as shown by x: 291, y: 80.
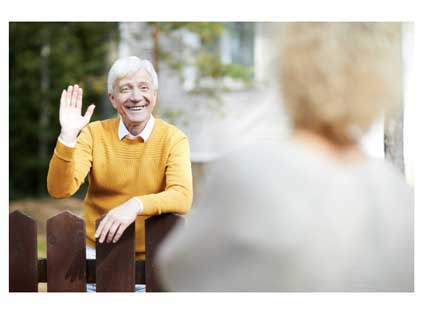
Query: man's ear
x: 112, y: 100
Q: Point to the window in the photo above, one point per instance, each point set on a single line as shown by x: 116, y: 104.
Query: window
x: 237, y: 44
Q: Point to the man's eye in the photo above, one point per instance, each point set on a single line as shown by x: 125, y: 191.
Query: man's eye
x: 146, y: 88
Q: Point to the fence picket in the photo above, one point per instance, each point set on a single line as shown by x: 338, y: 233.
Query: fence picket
x: 157, y: 228
x: 115, y: 263
x: 66, y: 258
x: 23, y: 256
x: 66, y: 268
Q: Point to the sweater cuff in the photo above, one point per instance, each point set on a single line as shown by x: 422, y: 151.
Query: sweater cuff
x: 64, y: 152
x: 149, y: 208
x: 71, y: 144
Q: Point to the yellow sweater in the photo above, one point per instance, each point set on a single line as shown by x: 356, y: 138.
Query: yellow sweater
x: 157, y: 171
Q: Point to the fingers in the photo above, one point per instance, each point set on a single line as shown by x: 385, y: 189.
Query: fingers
x: 63, y: 98
x: 89, y: 112
x: 68, y: 96
x: 103, y: 228
x: 119, y: 233
x: 79, y: 98
x: 110, y: 228
x: 100, y: 227
x: 74, y: 96
x: 112, y: 231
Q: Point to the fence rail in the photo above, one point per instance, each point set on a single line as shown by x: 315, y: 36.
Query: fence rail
x: 66, y: 268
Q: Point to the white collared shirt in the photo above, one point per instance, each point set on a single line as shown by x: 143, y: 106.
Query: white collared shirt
x: 122, y: 132
x: 145, y: 134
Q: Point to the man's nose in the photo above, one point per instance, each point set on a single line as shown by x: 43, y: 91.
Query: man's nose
x: 135, y: 95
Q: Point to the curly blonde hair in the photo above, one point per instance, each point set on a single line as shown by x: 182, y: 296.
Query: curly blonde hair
x: 337, y: 78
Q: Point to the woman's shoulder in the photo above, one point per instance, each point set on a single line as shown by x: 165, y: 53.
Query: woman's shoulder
x: 294, y: 163
x: 386, y: 179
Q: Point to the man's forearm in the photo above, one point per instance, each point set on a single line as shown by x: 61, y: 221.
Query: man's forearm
x: 61, y: 180
x: 175, y: 200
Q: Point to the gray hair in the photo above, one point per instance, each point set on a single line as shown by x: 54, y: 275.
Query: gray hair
x: 129, y: 66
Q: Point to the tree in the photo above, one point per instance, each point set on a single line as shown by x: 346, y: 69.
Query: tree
x: 210, y: 71
x: 43, y: 59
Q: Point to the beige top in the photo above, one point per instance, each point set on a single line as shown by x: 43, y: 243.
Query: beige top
x: 278, y: 218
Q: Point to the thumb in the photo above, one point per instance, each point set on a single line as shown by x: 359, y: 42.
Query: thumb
x: 89, y: 112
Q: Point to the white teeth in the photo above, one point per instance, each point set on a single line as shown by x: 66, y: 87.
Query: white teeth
x: 138, y: 108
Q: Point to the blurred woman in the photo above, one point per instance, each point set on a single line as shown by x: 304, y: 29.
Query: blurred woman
x: 314, y: 213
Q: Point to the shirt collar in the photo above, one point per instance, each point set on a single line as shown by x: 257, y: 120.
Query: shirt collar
x: 145, y: 134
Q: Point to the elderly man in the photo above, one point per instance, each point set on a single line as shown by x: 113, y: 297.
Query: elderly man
x: 137, y: 166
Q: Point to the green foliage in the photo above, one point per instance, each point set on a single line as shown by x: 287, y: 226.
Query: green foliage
x: 58, y: 54
x: 207, y: 31
x: 205, y: 57
x: 42, y: 246
x: 210, y: 65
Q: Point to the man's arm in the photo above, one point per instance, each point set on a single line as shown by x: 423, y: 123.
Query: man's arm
x: 72, y: 157
x: 176, y: 198
x: 69, y: 166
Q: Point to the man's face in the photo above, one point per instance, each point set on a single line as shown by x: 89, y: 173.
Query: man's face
x: 134, y: 97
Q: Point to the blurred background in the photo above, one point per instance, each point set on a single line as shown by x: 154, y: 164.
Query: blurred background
x: 216, y: 83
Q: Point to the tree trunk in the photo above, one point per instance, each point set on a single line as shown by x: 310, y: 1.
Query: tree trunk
x: 44, y: 112
x: 394, y: 124
x: 156, y: 49
x: 156, y: 57
x: 393, y: 138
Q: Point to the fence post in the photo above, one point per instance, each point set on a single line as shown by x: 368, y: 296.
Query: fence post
x: 156, y: 229
x: 23, y: 255
x: 115, y: 269
x: 66, y: 258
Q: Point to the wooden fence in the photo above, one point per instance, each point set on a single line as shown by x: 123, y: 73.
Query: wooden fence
x: 66, y: 268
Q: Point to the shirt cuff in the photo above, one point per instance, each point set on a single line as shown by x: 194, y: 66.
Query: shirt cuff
x: 70, y: 144
x: 140, y: 206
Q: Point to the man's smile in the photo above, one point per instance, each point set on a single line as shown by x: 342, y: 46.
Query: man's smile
x: 136, y: 108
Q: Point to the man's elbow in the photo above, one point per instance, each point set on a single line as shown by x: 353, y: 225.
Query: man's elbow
x: 58, y: 195
x: 55, y: 192
x: 187, y: 207
x: 185, y: 201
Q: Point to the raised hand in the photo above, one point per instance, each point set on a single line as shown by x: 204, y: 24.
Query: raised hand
x: 70, y: 113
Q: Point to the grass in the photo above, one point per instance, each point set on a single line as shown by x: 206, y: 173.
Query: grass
x: 43, y: 209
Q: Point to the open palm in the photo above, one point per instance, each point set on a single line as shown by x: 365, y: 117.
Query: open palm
x: 70, y: 112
